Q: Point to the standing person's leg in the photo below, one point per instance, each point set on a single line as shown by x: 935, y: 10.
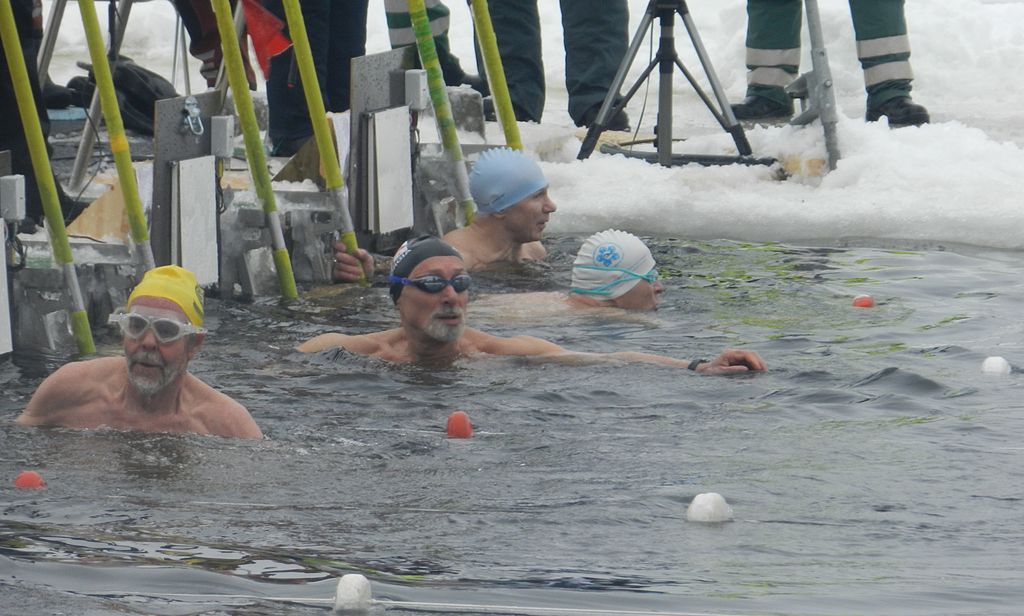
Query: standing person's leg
x: 289, y: 118
x: 883, y: 49
x: 596, y: 38
x: 401, y: 35
x: 517, y: 28
x: 28, y: 21
x: 773, y: 57
x: 346, y: 39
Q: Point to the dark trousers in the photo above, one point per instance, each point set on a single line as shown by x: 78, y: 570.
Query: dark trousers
x: 12, y: 133
x: 595, y: 38
x: 337, y: 33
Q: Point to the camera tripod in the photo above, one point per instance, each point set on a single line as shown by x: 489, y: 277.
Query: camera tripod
x: 666, y: 60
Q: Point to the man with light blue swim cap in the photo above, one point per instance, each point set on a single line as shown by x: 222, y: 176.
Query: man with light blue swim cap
x: 513, y: 207
x: 502, y: 178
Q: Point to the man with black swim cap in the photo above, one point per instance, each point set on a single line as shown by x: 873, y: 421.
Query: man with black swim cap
x: 430, y: 287
x: 149, y: 389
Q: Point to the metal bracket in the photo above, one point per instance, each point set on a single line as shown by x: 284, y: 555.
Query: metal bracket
x: 192, y: 121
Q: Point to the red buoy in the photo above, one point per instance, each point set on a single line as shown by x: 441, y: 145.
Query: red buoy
x: 864, y: 301
x: 29, y: 480
x: 459, y: 425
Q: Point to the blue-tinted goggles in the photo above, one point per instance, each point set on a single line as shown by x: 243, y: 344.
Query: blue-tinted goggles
x: 433, y: 284
x: 605, y: 289
x: 166, y: 330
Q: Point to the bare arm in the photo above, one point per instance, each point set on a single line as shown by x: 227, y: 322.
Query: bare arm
x: 323, y: 342
x: 729, y: 361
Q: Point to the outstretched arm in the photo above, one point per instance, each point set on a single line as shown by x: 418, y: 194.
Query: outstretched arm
x: 323, y: 342
x: 729, y: 361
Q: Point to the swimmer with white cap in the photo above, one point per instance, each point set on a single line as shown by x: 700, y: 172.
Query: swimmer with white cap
x: 613, y: 269
x: 513, y: 208
x: 430, y: 287
x: 149, y: 389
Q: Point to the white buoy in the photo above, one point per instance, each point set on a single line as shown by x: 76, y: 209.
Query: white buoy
x: 353, y: 593
x: 995, y: 365
x: 709, y: 507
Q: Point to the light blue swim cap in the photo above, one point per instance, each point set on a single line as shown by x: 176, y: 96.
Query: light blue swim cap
x: 503, y: 177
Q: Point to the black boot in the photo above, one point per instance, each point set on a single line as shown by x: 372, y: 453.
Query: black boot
x: 901, y: 112
x: 619, y: 121
x: 761, y: 108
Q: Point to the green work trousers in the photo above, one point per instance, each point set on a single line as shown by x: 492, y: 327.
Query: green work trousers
x: 883, y: 47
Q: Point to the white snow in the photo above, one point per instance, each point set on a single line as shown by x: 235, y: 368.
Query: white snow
x: 954, y: 181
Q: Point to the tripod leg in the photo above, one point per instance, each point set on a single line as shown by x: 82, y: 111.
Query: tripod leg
x: 731, y: 125
x: 821, y: 94
x: 603, y: 115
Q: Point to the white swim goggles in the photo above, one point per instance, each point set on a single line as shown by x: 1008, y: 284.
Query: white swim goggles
x: 134, y: 325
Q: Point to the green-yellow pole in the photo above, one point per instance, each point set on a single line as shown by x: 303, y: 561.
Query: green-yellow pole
x: 442, y: 107
x: 495, y: 72
x: 253, y: 146
x: 115, y: 128
x: 318, y: 117
x: 44, y: 176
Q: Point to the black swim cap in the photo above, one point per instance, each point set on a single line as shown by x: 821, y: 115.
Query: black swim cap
x: 414, y: 252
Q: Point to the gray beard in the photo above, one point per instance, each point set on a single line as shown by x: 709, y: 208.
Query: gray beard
x: 149, y: 387
x: 444, y: 333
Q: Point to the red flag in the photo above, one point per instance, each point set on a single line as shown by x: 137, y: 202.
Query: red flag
x: 266, y: 32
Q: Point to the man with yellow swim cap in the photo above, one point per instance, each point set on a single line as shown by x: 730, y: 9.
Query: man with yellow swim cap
x: 150, y: 389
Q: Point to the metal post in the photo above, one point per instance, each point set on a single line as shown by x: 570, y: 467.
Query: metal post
x: 84, y: 155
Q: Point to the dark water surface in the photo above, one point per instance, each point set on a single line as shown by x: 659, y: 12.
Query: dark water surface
x: 874, y: 468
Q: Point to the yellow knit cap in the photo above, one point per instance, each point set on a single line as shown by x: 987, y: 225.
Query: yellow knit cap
x: 176, y: 284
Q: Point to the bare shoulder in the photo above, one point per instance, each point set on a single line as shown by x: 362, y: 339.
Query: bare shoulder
x: 71, y: 386
x: 218, y: 413
x: 466, y: 243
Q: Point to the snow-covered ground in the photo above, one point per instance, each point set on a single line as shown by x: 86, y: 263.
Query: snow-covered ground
x: 954, y: 181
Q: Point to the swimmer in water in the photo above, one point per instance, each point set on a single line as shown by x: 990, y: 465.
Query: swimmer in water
x: 150, y: 388
x: 613, y: 269
x: 513, y: 208
x: 430, y: 289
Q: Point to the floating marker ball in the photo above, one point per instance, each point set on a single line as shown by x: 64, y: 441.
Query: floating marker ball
x: 995, y: 365
x: 29, y: 480
x: 459, y: 425
x: 709, y: 507
x: 353, y: 593
x: 864, y: 301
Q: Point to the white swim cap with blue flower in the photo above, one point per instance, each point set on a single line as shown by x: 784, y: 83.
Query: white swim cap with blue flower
x: 610, y: 263
x: 503, y: 177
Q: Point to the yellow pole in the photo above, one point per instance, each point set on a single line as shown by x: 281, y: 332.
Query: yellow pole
x: 44, y: 176
x: 115, y: 128
x: 318, y: 117
x: 442, y: 106
x: 253, y: 145
x: 495, y: 72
